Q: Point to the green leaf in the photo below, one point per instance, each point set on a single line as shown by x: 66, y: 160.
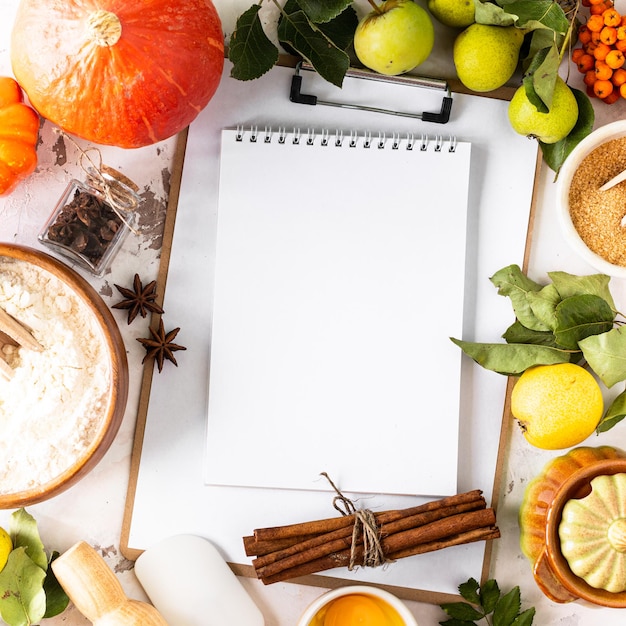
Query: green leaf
x: 341, y: 29
x: 491, y: 13
x: 543, y: 304
x: 539, y: 14
x: 606, y: 355
x: 330, y: 62
x: 554, y: 154
x: 545, y: 75
x: 579, y: 317
x: 571, y: 285
x: 469, y: 591
x: 511, y: 358
x: 511, y: 282
x: 24, y: 533
x: 614, y: 414
x: 507, y: 608
x: 250, y: 50
x: 539, y: 39
x: 23, y: 600
x: 462, y: 611
x: 290, y: 7
x: 56, y: 598
x: 528, y: 82
x: 489, y: 595
x: 518, y: 333
x: 525, y: 618
x: 323, y: 10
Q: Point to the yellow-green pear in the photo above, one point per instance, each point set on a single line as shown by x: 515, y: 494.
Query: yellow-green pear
x: 548, y: 127
x: 486, y: 56
x: 454, y: 13
x: 395, y: 37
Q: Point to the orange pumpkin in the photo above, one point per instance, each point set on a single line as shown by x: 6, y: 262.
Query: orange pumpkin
x: 127, y: 73
x: 19, y: 131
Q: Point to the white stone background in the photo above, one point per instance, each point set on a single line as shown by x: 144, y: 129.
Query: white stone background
x: 93, y: 510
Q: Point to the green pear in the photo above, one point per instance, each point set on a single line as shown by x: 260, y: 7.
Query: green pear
x: 454, y: 13
x: 548, y: 127
x: 486, y: 56
x: 395, y: 37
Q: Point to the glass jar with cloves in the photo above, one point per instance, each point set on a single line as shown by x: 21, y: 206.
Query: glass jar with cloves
x: 92, y: 218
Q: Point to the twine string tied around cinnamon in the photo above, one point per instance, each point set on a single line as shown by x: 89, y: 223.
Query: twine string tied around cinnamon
x: 365, y: 527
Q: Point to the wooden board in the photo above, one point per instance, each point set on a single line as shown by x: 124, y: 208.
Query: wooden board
x: 144, y: 454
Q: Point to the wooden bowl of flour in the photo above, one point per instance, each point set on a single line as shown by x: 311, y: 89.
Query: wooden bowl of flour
x: 63, y: 405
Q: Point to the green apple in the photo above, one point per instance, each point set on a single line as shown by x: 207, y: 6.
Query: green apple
x: 548, y: 127
x: 486, y: 56
x: 454, y: 13
x: 395, y: 37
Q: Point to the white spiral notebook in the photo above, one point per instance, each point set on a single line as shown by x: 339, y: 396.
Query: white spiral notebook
x: 340, y: 273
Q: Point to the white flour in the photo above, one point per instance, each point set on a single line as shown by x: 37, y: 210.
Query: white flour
x: 56, y: 399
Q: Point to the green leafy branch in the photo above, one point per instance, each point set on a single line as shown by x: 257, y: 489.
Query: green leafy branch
x: 29, y: 591
x: 320, y: 32
x: 487, y: 603
x: 550, y: 32
x: 571, y: 319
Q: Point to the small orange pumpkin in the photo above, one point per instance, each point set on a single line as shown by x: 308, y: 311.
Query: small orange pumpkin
x: 118, y: 72
x: 541, y: 490
x: 19, y: 131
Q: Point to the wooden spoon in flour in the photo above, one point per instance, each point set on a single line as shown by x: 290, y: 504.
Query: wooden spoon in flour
x: 18, y: 333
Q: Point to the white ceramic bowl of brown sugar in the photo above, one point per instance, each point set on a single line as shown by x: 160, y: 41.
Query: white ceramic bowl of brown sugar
x: 63, y: 396
x: 592, y: 219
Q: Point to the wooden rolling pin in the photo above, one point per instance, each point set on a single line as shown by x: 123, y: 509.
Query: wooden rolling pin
x: 97, y: 593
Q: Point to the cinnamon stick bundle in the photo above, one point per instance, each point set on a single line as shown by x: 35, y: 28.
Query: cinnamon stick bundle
x: 285, y: 552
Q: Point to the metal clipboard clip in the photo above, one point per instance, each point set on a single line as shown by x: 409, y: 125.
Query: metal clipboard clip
x: 441, y: 117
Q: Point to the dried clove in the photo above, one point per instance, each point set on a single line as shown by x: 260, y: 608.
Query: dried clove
x: 86, y: 225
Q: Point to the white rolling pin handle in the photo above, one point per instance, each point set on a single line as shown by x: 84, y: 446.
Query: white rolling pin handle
x: 190, y: 584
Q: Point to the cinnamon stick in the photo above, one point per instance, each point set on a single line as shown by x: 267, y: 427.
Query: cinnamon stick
x: 284, y: 552
x: 334, y: 523
x: 343, y: 559
x: 478, y: 534
x: 456, y: 524
x: 326, y: 543
x: 394, y: 542
x: 253, y: 547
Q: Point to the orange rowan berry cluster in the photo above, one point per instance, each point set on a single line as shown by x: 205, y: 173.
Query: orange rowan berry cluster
x: 601, y: 57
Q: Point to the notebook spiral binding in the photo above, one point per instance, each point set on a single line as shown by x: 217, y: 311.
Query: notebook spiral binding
x: 352, y: 139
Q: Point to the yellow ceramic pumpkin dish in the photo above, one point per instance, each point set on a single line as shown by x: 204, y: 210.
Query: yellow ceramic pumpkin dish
x: 593, y: 534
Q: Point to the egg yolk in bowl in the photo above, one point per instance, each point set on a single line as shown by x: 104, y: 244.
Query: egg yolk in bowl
x: 357, y: 610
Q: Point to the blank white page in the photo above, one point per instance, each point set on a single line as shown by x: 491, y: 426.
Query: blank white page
x: 339, y: 281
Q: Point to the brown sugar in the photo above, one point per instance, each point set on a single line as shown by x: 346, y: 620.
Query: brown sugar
x: 597, y: 215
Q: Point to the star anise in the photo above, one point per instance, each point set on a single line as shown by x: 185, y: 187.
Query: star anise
x: 161, y: 346
x: 140, y: 300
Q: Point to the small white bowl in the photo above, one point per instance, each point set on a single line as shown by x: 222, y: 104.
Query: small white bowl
x: 381, y: 594
x: 614, y: 130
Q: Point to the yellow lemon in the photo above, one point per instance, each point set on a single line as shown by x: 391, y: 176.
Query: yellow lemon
x: 557, y: 406
x: 6, y: 545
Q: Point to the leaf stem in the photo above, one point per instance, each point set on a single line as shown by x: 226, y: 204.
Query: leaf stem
x: 568, y: 35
